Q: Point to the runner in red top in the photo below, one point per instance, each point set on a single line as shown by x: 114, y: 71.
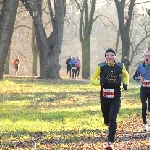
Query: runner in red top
x: 16, y: 62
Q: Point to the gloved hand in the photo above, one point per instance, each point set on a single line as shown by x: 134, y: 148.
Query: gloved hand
x: 125, y: 86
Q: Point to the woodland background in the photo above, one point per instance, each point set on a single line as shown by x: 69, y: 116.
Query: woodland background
x: 103, y: 35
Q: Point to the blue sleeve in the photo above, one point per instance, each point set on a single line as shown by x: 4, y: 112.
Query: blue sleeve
x: 138, y: 71
x: 76, y: 62
x: 135, y: 77
x: 137, y: 74
x: 70, y: 62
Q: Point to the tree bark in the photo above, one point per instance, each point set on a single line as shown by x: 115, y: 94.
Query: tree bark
x: 86, y: 58
x: 86, y: 22
x: 7, y: 20
x: 49, y: 48
x: 35, y: 53
x: 6, y: 67
x: 124, y: 27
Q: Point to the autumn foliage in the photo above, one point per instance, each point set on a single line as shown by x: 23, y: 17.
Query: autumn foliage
x: 65, y: 115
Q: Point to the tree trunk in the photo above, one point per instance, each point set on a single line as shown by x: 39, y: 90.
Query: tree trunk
x: 56, y: 39
x: 86, y: 22
x: 49, y: 48
x: 6, y: 68
x: 35, y: 53
x: 7, y: 20
x: 124, y: 27
x: 117, y: 42
x: 86, y: 58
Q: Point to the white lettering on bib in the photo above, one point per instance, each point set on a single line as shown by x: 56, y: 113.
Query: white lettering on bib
x: 146, y: 83
x: 108, y: 93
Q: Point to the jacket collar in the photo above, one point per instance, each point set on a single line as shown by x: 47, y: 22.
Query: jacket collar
x: 111, y: 64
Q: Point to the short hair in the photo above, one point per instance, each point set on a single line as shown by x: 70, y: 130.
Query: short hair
x: 110, y: 50
x: 146, y: 53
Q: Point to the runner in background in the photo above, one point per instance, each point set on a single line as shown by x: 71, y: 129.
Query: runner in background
x: 78, y: 67
x: 16, y: 63
x: 73, y: 64
x: 69, y: 66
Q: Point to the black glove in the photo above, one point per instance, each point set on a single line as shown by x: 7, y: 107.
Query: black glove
x: 125, y: 86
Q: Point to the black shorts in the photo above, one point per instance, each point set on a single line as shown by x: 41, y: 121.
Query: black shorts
x: 16, y: 66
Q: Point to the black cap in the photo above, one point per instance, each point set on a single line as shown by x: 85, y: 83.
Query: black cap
x: 110, y: 50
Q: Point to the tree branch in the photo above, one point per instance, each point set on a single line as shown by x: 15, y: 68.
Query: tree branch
x: 143, y: 2
x: 51, y: 13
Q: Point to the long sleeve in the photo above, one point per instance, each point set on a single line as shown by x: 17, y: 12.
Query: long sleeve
x: 135, y: 77
x: 125, y: 76
x: 95, y: 77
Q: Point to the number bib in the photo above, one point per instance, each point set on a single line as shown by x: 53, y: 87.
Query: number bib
x: 108, y: 93
x: 146, y: 83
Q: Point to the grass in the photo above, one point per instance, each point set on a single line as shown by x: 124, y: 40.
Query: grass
x: 57, y: 108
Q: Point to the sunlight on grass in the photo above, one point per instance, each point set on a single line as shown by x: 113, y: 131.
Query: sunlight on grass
x: 57, y: 107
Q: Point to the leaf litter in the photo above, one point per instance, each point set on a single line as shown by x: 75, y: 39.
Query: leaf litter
x: 129, y: 136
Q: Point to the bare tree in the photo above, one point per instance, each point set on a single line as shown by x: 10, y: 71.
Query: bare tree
x: 35, y: 52
x: 49, y: 47
x: 7, y: 20
x: 86, y: 22
x: 6, y: 67
x: 7, y: 63
x: 124, y: 24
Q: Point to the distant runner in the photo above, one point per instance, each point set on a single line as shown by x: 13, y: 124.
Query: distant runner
x: 16, y: 63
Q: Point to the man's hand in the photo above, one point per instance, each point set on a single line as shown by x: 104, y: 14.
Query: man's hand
x: 125, y: 86
x: 141, y: 78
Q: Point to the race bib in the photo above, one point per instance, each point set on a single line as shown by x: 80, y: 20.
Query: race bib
x: 146, y: 83
x: 108, y: 93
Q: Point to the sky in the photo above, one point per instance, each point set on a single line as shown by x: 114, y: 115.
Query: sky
x: 143, y: 6
x: 147, y: 5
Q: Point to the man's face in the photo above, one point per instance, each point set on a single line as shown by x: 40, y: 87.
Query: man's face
x: 147, y: 57
x: 110, y: 57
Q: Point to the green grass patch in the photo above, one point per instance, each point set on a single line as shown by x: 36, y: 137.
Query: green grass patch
x: 56, y: 108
